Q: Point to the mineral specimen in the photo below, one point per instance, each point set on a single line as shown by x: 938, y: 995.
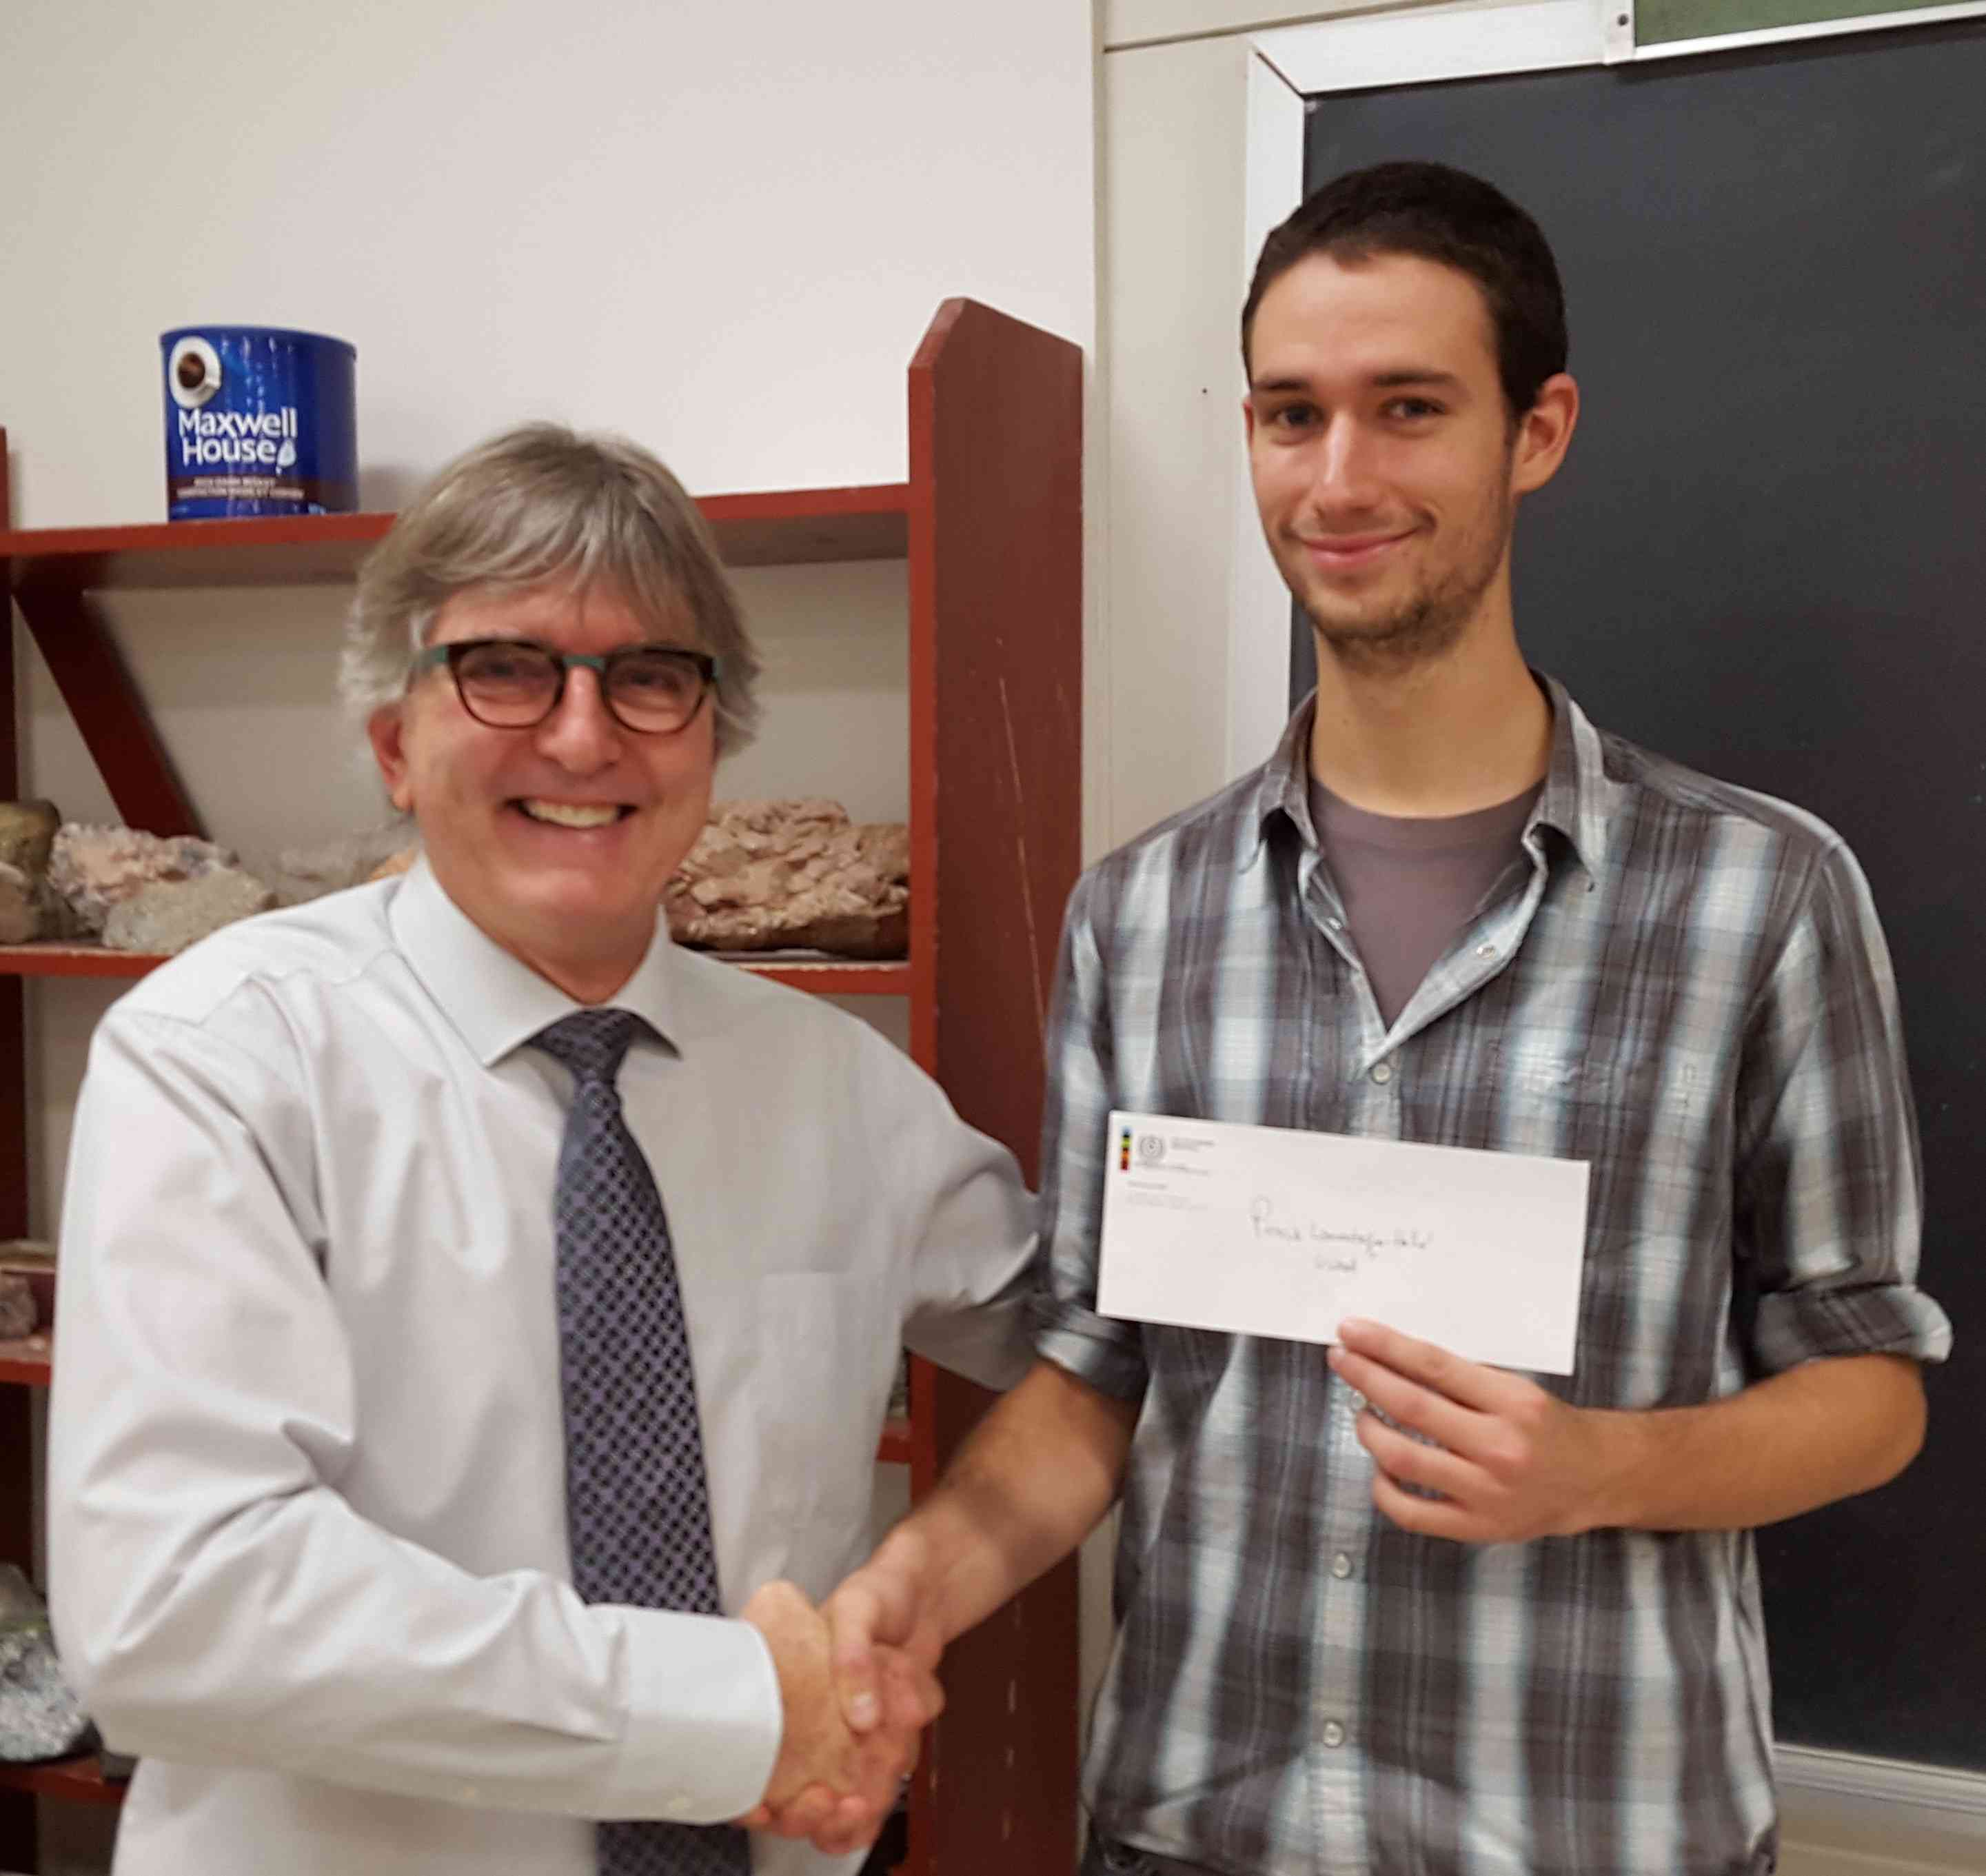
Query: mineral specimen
x: 301, y: 873
x: 93, y: 868
x: 774, y: 875
x: 171, y: 915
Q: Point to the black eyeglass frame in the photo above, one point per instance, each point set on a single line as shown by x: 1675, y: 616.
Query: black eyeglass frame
x: 601, y: 664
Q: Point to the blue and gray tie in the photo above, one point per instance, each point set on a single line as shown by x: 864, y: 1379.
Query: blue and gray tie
x: 637, y: 1503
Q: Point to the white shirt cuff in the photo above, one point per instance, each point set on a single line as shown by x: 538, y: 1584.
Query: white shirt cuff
x: 704, y: 1719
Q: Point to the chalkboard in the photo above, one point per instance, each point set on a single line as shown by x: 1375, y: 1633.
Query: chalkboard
x: 1766, y: 556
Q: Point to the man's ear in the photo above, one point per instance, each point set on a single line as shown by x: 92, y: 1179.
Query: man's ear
x: 386, y: 729
x: 1544, y: 434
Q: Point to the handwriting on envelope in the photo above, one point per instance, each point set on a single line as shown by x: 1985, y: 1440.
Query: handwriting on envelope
x: 1274, y: 1231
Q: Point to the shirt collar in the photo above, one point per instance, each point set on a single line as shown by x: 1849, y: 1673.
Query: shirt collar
x: 1576, y: 801
x: 495, y: 1001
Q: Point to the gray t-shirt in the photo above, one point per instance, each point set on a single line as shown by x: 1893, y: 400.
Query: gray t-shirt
x: 1409, y: 887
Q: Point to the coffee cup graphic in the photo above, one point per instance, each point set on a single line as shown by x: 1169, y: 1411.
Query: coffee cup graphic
x: 193, y: 372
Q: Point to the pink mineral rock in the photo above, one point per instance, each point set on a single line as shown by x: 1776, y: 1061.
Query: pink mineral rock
x: 93, y: 868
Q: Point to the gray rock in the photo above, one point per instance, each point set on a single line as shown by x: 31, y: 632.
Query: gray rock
x: 31, y: 908
x: 169, y: 916
x: 18, y: 1316
x: 20, y: 916
x: 40, y: 1718
x: 300, y: 873
x: 26, y: 832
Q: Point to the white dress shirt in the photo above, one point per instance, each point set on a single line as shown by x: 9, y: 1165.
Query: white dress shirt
x: 307, y: 1520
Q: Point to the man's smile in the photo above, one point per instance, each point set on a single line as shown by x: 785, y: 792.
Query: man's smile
x: 573, y: 813
x: 1340, y: 553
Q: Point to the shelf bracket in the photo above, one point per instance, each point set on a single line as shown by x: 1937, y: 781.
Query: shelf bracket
x: 114, y: 725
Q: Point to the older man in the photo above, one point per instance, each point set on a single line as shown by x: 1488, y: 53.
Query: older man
x: 473, y: 1307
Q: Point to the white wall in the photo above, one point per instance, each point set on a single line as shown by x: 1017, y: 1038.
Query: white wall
x: 719, y: 227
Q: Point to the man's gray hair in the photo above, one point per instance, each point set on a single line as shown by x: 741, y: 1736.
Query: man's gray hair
x: 545, y: 505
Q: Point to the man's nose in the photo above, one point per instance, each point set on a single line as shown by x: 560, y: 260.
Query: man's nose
x: 582, y: 732
x: 1342, y: 465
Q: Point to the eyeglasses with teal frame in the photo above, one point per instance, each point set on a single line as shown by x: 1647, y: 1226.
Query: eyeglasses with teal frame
x: 517, y: 683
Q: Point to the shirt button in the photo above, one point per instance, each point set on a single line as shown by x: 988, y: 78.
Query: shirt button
x: 1333, y: 1734
x: 1382, y: 1073
x: 1334, y: 924
x: 1486, y: 950
x: 1341, y: 1566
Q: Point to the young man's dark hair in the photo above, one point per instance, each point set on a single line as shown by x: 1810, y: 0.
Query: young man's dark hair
x: 1441, y: 214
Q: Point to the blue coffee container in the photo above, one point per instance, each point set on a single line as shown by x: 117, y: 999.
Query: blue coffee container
x: 259, y: 421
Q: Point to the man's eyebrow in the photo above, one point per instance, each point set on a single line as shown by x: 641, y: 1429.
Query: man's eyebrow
x: 1415, y: 374
x: 1397, y: 379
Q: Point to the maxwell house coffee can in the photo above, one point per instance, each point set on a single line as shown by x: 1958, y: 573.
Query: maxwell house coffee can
x: 258, y: 421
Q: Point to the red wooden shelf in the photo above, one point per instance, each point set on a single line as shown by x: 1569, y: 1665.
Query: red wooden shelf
x: 893, y: 1449
x: 778, y: 527
x: 79, y: 1781
x: 26, y: 1362
x: 846, y: 977
x: 840, y: 977
x: 74, y: 960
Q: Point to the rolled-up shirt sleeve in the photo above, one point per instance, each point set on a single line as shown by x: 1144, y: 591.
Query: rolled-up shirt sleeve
x: 217, y: 1600
x: 1829, y: 1199
x: 970, y: 1238
x: 1108, y: 1354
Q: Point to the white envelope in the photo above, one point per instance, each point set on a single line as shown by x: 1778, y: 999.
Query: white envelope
x: 1276, y: 1232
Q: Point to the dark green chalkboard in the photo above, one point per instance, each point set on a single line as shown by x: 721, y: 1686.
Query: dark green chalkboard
x: 1767, y: 558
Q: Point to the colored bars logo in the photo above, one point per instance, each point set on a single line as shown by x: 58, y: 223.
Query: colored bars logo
x: 1124, y: 1152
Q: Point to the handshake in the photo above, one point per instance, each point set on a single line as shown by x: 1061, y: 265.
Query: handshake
x: 858, y: 1684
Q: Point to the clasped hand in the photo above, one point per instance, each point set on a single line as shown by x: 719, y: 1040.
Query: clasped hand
x: 873, y: 1653
x: 833, y: 1782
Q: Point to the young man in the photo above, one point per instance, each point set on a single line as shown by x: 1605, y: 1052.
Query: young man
x: 473, y: 1306
x: 1382, y: 1608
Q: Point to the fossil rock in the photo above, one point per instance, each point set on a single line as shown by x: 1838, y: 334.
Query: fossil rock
x: 26, y: 832
x: 775, y: 875
x: 94, y: 868
x: 171, y: 914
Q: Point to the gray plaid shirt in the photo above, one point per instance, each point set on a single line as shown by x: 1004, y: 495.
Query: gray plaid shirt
x: 1687, y: 987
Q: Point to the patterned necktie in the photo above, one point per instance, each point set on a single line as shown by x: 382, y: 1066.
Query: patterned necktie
x: 638, y: 1505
